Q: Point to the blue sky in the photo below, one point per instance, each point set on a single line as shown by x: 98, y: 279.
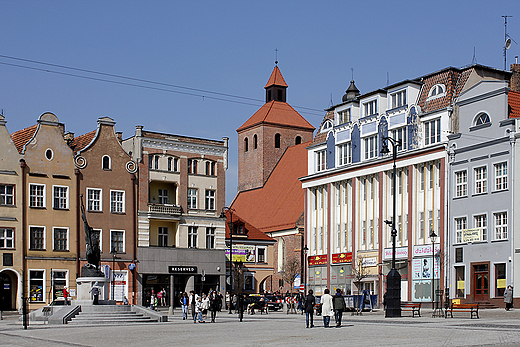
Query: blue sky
x: 227, y: 47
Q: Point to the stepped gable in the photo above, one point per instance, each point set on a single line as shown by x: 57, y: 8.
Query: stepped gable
x: 279, y: 204
x: 514, y: 104
x: 82, y: 141
x: 21, y: 137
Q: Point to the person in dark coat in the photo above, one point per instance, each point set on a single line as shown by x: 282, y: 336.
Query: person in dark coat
x: 339, y: 306
x: 309, y: 308
x: 508, y: 297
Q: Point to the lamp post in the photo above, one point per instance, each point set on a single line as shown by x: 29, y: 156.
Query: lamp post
x: 433, y: 236
x: 393, y: 279
x: 305, y: 250
x: 223, y: 216
x: 113, y: 252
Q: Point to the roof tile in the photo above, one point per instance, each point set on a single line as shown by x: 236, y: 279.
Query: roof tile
x: 21, y: 137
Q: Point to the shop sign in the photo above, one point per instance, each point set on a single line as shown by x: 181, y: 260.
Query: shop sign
x: 421, y: 268
x: 242, y: 253
x: 471, y: 235
x: 317, y: 260
x: 369, y: 261
x: 424, y: 250
x: 400, y: 253
x: 338, y: 258
x: 182, y: 269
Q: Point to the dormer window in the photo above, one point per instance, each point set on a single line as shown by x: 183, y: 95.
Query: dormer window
x: 398, y: 99
x: 482, y: 118
x: 105, y: 162
x: 437, y: 91
x: 327, y: 125
x: 344, y: 116
x: 370, y: 108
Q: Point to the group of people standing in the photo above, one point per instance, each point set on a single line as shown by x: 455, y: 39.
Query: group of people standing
x: 200, y: 305
x: 153, y: 300
x: 330, y: 306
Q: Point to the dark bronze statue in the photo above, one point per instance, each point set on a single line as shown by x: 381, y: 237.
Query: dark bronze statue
x: 91, y: 269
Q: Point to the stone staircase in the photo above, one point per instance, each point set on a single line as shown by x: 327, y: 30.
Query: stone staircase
x: 109, y: 314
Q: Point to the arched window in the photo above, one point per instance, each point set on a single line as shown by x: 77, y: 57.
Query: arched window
x: 255, y: 142
x: 482, y: 118
x: 281, y: 254
x: 327, y: 125
x: 106, y: 164
x: 277, y: 140
x: 246, y: 144
x: 436, y: 91
x: 298, y: 140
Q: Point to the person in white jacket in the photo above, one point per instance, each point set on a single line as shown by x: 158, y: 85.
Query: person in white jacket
x: 198, y: 311
x: 205, y: 306
x: 327, y: 308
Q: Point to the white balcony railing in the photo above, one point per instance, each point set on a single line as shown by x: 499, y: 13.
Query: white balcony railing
x: 164, y: 209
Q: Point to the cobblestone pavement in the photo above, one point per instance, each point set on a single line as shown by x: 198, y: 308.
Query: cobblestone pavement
x: 495, y: 327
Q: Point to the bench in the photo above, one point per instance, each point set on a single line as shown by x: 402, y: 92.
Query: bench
x: 472, y: 308
x: 414, y: 307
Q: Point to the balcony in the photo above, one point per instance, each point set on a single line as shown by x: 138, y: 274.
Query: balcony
x: 164, y: 210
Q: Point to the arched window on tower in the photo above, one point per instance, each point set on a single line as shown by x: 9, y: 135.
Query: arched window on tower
x: 246, y: 144
x: 298, y: 140
x: 277, y: 140
x: 255, y: 142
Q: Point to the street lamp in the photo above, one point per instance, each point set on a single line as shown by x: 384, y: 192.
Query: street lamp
x: 113, y: 252
x: 433, y: 236
x: 393, y: 279
x: 223, y: 216
x: 305, y: 250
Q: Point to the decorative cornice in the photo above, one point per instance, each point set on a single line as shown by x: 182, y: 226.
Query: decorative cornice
x: 183, y: 147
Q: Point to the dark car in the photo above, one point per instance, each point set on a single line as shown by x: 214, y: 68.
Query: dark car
x: 274, y: 302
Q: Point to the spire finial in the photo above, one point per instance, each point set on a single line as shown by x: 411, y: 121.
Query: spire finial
x: 276, y: 61
x: 352, y: 69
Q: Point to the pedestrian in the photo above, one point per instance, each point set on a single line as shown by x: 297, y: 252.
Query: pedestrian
x: 95, y: 293
x: 198, y: 310
x: 228, y: 301
x: 152, y: 300
x: 66, y: 295
x: 235, y: 303
x: 326, y: 307
x: 220, y: 299
x: 163, y: 297
x: 339, y: 306
x: 508, y: 297
x: 205, y: 306
x: 193, y: 303
x: 125, y: 300
x: 148, y: 298
x: 159, y: 297
x: 184, y: 304
x: 309, y: 303
x: 213, y: 305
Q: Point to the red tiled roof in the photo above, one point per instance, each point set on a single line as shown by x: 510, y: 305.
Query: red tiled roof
x: 279, y: 113
x: 81, y: 141
x: 279, y: 204
x: 276, y: 79
x: 21, y: 137
x: 514, y: 104
x: 252, y: 232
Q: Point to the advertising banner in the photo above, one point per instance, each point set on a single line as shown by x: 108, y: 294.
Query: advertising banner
x: 471, y: 235
x: 421, y: 268
x: 400, y: 253
x: 120, y: 285
x: 317, y: 260
x: 424, y: 250
x: 242, y: 253
x: 338, y: 258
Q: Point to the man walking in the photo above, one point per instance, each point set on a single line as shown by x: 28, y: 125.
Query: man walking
x: 309, y: 308
x: 339, y: 306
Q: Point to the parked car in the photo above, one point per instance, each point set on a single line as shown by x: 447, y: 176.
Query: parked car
x: 274, y: 302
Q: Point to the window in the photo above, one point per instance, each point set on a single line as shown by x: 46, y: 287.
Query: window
x: 370, y: 147
x: 500, y: 274
x: 345, y: 153
x: 460, y: 226
x: 482, y: 118
x: 436, y: 91
x: 6, y: 194
x: 49, y: 154
x: 210, y: 200
x: 6, y: 238
x: 58, y: 281
x: 60, y: 197
x: 117, y: 241
x: 94, y: 201
x: 277, y: 140
x: 298, y: 140
x: 326, y: 126
x: 210, y: 168
x: 344, y: 116
x: 246, y: 144
x: 398, y: 99
x: 459, y: 274
x: 60, y: 239
x: 432, y: 131
x: 260, y: 255
x: 210, y: 238
x: 117, y: 201
x: 321, y: 160
x: 431, y: 175
x: 156, y: 162
x: 421, y: 177
x: 370, y: 108
x: 163, y: 195
x: 37, y: 241
x: 400, y: 135
x: 192, y: 237
x: 481, y: 222
x: 500, y: 226
x: 192, y: 166
x: 421, y: 225
x: 36, y: 286
x: 105, y: 162
x: 255, y: 141
x: 37, y: 195
x: 480, y: 180
x: 238, y: 229
x: 459, y: 255
x: 150, y: 161
x: 249, y: 281
x: 461, y: 184
x: 170, y: 161
x: 192, y: 198
x: 501, y: 176
x: 163, y: 237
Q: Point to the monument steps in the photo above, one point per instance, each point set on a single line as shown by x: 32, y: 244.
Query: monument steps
x: 109, y: 314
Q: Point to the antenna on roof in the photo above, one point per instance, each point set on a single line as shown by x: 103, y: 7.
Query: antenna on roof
x: 474, y: 60
x: 387, y: 79
x: 276, y: 61
x: 507, y: 40
x: 352, y: 70
x: 331, y: 103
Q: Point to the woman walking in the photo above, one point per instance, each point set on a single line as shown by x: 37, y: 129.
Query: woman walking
x: 185, y: 301
x: 327, y: 307
x: 508, y: 297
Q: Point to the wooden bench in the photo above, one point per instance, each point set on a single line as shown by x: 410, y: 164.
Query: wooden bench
x: 472, y: 308
x: 414, y: 307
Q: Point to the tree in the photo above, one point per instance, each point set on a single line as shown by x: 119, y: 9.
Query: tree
x: 238, y: 276
x: 290, y: 270
x: 360, y: 271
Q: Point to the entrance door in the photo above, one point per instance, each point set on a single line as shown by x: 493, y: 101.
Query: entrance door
x: 6, y: 292
x: 481, y: 280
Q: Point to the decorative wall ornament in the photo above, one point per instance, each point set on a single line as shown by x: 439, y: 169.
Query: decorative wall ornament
x: 131, y: 166
x: 80, y: 162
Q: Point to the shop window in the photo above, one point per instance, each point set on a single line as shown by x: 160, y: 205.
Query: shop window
x: 459, y: 277
x: 36, y: 286
x: 500, y: 274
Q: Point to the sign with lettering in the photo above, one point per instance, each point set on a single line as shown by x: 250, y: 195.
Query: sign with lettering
x: 317, y: 260
x: 182, y: 269
x: 338, y: 258
x: 400, y: 253
x: 369, y: 261
x: 471, y: 235
x: 424, y: 250
x: 242, y: 253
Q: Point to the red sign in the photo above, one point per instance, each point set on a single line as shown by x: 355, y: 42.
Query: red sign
x: 338, y: 258
x: 317, y: 260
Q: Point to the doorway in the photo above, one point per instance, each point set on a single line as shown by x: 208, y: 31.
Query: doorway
x: 6, y: 292
x: 481, y: 282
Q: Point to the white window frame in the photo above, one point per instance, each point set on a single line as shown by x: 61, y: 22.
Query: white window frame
x: 501, y: 228
x: 164, y: 236
x: 432, y: 137
x: 344, y: 116
x: 321, y: 160
x: 400, y: 134
x: 210, y: 199
x: 117, y: 202
x: 5, y: 238
x: 192, y: 199
x: 501, y: 181
x: 398, y: 99
x: 44, y: 286
x: 5, y: 195
x: 370, y: 108
x: 461, y: 224
x: 258, y: 248
x: 163, y: 196
x: 461, y: 183
x: 43, y: 197
x: 112, y: 240
x: 211, y: 234
x: 91, y: 201
x: 344, y: 153
x: 193, y: 235
x: 109, y: 163
x: 437, y: 91
x: 44, y: 237
x: 480, y: 178
x: 54, y: 239
x: 370, y: 146
x: 60, y: 198
x: 480, y: 221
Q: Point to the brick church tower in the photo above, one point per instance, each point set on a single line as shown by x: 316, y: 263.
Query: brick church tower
x: 264, y: 137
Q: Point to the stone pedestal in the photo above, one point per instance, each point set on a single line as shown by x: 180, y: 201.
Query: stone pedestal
x: 84, y: 284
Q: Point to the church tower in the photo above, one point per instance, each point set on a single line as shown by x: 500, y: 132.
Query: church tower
x: 265, y: 136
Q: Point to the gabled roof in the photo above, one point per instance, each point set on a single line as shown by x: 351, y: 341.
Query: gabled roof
x: 279, y: 204
x: 277, y: 113
x: 21, y: 137
x: 514, y: 104
x: 82, y: 141
x: 252, y: 232
x: 276, y: 79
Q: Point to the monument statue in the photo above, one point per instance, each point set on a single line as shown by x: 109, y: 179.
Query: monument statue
x: 93, y: 254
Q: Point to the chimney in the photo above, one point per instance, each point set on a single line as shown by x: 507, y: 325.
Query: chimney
x: 514, y: 83
x: 119, y: 135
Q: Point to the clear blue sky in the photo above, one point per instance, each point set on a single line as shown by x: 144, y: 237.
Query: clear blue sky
x: 227, y: 47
